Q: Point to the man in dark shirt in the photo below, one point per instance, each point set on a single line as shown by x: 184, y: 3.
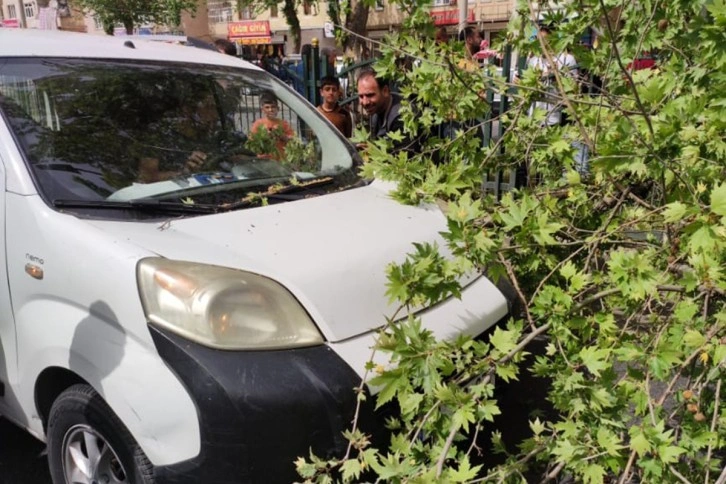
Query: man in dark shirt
x: 336, y: 114
x: 384, y: 109
x: 380, y: 104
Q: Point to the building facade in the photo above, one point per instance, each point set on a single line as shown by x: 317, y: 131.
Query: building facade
x: 19, y: 13
x: 267, y: 31
x: 489, y: 16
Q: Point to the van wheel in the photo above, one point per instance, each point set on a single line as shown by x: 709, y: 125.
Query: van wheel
x: 88, y: 444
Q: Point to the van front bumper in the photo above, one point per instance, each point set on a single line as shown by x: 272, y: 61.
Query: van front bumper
x: 260, y: 410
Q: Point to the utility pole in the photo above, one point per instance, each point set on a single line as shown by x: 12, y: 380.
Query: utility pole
x: 463, y: 14
x: 21, y: 15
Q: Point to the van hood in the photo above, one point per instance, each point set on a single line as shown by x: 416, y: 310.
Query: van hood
x: 330, y: 251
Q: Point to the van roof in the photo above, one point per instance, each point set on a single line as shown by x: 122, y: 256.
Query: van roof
x: 55, y: 43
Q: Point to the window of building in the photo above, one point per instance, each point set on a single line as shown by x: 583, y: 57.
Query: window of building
x: 307, y: 7
x: 439, y: 3
x: 11, y: 12
x: 246, y: 13
x: 273, y: 11
x: 29, y: 10
x: 379, y: 5
x: 97, y: 23
x: 219, y: 11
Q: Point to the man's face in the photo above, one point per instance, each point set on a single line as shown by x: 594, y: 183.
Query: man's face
x: 330, y: 93
x: 270, y: 110
x: 372, y: 98
x: 473, y: 42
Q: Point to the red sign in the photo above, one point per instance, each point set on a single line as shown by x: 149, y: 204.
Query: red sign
x: 11, y: 23
x: 248, y: 28
x: 450, y: 16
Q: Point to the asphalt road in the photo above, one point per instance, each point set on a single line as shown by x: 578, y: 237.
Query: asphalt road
x: 22, y: 457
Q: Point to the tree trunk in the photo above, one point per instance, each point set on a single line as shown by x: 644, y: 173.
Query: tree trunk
x: 356, y: 22
x: 289, y: 10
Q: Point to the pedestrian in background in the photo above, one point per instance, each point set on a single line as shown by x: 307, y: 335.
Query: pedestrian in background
x: 225, y: 46
x: 564, y: 63
x: 47, y: 14
x: 472, y: 40
x: 442, y: 36
x: 330, y: 107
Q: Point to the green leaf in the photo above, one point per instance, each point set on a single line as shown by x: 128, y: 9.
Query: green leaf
x: 719, y: 354
x: 595, y: 359
x: 674, y: 212
x: 463, y: 417
x: 609, y: 441
x: 545, y: 229
x: 464, y: 472
x: 503, y: 341
x: 410, y: 402
x: 594, y: 474
x: 693, y: 339
x: 669, y: 453
x: 392, y: 381
x: 638, y: 442
x: 488, y: 409
x: 506, y: 372
x: 537, y: 426
x: 718, y: 200
x: 351, y: 469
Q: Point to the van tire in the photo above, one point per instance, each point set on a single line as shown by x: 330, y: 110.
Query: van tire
x: 79, y: 416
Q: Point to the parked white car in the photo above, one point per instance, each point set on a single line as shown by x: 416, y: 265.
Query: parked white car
x: 190, y: 295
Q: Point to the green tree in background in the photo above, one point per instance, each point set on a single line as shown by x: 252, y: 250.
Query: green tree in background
x: 350, y: 18
x: 130, y: 13
x: 619, y: 269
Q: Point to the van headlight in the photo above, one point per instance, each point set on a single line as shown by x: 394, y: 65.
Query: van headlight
x: 223, y: 308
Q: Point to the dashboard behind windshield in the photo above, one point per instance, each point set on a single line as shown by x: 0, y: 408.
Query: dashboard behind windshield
x: 101, y: 130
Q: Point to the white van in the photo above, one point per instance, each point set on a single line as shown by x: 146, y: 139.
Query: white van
x: 194, y: 268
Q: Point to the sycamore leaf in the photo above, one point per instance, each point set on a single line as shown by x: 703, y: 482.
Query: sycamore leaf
x: 410, y: 402
x: 465, y: 472
x: 545, y: 230
x: 669, y: 453
x: 719, y: 354
x: 674, y: 212
x: 463, y: 417
x: 594, y: 359
x: 638, y: 442
x: 537, y: 426
x: 506, y: 372
x: 718, y: 200
x: 693, y: 339
x: 593, y: 473
x: 488, y: 409
x: 503, y: 340
x: 351, y: 469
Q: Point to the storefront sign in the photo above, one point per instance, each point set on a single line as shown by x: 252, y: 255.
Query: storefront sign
x: 450, y: 16
x: 248, y: 29
x: 11, y: 23
x: 253, y: 40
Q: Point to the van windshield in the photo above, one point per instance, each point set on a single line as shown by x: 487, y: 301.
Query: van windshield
x: 105, y: 132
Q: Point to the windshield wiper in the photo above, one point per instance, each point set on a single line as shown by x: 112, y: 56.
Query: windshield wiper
x: 145, y: 204
x: 290, y: 191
